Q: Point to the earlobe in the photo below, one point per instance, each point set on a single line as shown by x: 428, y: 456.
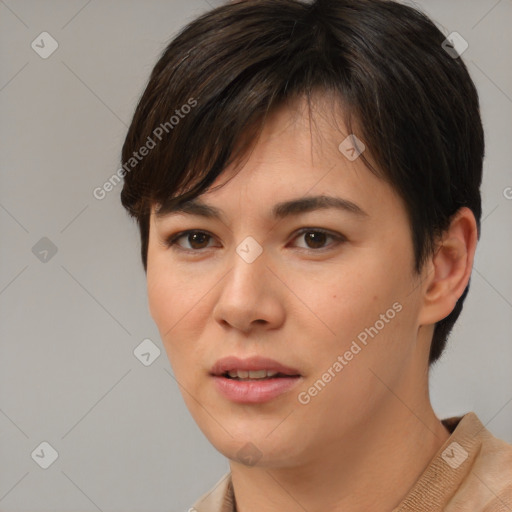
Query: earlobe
x: 450, y: 268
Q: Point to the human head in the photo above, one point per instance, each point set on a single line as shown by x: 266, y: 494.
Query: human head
x: 382, y: 64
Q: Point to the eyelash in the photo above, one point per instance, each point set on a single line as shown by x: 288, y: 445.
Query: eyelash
x: 172, y: 240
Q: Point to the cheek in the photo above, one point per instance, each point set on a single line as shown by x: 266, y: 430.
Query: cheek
x: 171, y: 290
x: 347, y: 299
x: 168, y: 303
x: 166, y: 308
x: 160, y: 288
x: 178, y: 305
x: 367, y: 302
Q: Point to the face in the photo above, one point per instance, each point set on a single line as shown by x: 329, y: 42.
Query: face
x: 321, y: 305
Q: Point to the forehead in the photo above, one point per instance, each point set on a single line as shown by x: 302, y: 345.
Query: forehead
x: 281, y: 210
x: 299, y: 163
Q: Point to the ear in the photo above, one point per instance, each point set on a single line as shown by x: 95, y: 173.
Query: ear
x: 447, y: 273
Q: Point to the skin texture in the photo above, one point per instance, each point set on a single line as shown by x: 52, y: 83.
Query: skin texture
x: 366, y: 437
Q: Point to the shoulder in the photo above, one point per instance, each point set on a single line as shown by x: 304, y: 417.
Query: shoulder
x: 219, y: 498
x: 487, y: 485
x: 471, y: 472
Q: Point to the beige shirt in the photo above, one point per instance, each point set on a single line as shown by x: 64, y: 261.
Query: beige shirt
x: 471, y: 472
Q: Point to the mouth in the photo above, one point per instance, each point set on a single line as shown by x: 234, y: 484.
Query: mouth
x: 255, y: 375
x: 252, y: 368
x: 253, y: 380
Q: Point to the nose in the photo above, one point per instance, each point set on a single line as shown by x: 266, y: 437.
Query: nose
x: 250, y: 294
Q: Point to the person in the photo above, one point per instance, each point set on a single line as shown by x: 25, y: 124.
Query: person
x: 306, y: 180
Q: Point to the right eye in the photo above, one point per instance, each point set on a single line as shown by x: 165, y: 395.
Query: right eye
x: 194, y: 237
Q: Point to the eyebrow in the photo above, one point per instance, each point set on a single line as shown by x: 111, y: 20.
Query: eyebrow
x: 279, y: 211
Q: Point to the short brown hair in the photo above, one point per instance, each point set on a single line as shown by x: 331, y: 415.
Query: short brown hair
x: 416, y: 105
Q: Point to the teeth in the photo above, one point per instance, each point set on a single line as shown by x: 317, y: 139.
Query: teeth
x: 245, y: 375
x: 259, y: 374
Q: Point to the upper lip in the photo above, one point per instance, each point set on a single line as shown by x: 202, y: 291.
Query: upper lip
x: 227, y: 364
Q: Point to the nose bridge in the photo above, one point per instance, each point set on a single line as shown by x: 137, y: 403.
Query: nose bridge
x: 248, y: 267
x: 247, y: 294
x: 249, y: 250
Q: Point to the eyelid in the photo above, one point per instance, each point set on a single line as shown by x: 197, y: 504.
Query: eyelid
x: 171, y: 241
x: 337, y: 237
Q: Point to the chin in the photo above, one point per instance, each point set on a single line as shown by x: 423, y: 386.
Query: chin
x: 254, y: 445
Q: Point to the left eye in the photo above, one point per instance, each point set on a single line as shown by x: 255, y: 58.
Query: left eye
x: 198, y: 239
x: 317, y: 238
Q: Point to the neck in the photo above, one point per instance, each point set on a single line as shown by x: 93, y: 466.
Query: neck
x: 371, y: 468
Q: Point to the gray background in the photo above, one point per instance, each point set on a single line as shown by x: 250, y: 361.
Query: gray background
x: 69, y: 325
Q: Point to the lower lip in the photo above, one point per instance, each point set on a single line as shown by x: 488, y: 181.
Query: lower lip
x: 255, y: 391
